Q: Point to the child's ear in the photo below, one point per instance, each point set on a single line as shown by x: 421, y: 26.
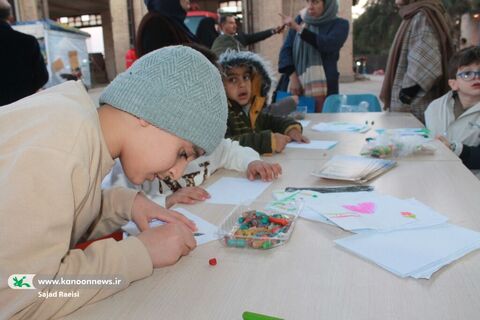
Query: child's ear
x: 453, y: 83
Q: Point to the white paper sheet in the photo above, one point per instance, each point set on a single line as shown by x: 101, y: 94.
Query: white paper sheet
x: 418, y: 252
x: 341, y: 127
x: 208, y: 230
x: 236, y: 190
x: 360, y: 211
x: 314, y: 144
x: 286, y: 202
x: 310, y: 214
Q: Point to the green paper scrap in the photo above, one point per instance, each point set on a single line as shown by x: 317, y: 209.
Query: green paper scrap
x: 257, y: 316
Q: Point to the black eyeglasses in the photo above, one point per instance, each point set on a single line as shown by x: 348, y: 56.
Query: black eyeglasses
x: 468, y: 75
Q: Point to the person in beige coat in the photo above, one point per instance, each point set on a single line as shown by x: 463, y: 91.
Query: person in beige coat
x: 55, y: 149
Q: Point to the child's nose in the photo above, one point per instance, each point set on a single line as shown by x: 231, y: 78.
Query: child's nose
x: 177, y: 171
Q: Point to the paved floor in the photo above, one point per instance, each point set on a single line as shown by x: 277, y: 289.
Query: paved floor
x: 372, y: 84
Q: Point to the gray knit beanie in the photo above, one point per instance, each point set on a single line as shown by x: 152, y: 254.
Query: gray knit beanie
x: 176, y: 89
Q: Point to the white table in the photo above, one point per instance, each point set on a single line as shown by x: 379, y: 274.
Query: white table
x: 309, y: 277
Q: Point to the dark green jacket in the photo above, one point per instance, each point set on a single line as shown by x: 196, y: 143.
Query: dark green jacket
x: 259, y: 134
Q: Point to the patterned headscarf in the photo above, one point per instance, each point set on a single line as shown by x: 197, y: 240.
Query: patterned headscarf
x: 306, y: 57
x: 329, y: 13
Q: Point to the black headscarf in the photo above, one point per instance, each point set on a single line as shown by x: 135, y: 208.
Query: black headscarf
x: 173, y: 11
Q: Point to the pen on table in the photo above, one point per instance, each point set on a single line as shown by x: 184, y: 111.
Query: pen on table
x: 198, y: 234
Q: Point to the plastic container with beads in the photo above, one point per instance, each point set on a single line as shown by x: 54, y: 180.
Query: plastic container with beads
x: 257, y: 228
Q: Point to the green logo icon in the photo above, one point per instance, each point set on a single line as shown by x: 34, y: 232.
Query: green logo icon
x: 21, y: 281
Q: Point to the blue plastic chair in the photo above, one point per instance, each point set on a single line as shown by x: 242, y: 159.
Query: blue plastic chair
x: 302, y: 100
x: 333, y: 102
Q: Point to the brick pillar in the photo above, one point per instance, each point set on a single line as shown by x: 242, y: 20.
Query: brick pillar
x: 345, y: 63
x: 139, y: 10
x: 108, y: 45
x: 470, y: 29
x: 265, y: 16
x: 120, y: 33
x: 32, y: 10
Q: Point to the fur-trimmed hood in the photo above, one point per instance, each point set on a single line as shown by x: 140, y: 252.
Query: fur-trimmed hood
x: 260, y: 86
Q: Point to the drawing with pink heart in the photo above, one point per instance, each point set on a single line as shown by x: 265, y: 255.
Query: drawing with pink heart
x: 362, y: 207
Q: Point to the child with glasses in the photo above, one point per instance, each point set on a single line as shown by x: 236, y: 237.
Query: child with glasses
x: 455, y: 117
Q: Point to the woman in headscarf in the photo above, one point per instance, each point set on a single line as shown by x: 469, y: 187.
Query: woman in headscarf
x: 163, y: 26
x: 417, y: 65
x: 311, y: 50
x: 175, y: 11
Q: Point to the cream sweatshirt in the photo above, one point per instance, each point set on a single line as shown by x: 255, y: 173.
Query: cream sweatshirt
x: 53, y: 158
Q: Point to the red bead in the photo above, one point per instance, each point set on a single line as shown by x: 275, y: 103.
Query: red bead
x: 212, y: 262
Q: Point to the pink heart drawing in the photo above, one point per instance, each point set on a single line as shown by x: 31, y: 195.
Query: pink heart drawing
x: 362, y: 207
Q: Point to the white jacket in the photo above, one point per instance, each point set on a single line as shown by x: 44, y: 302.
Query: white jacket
x: 465, y: 130
x: 229, y: 155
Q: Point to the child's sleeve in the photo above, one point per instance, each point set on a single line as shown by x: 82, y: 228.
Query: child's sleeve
x: 258, y: 141
x: 37, y: 211
x: 116, y: 210
x: 235, y: 157
x: 470, y: 157
x: 277, y: 124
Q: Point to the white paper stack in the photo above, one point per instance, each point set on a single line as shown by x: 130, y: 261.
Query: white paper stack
x: 353, y: 168
x: 406, y: 237
x: 416, y: 253
x: 340, y: 126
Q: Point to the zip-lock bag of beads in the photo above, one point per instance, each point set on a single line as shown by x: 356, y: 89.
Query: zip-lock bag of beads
x: 387, y: 145
x: 255, y: 227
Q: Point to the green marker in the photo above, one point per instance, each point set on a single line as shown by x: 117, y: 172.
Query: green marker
x: 257, y: 316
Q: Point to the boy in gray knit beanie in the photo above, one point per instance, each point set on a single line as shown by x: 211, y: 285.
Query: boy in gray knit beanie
x: 57, y: 147
x: 167, y: 109
x: 175, y: 89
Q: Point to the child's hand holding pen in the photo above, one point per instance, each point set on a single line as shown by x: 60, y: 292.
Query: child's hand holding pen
x: 167, y: 243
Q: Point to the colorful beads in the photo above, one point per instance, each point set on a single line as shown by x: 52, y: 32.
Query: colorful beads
x: 258, y: 230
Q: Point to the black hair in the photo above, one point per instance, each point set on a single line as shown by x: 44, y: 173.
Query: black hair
x: 223, y: 18
x: 463, y: 58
